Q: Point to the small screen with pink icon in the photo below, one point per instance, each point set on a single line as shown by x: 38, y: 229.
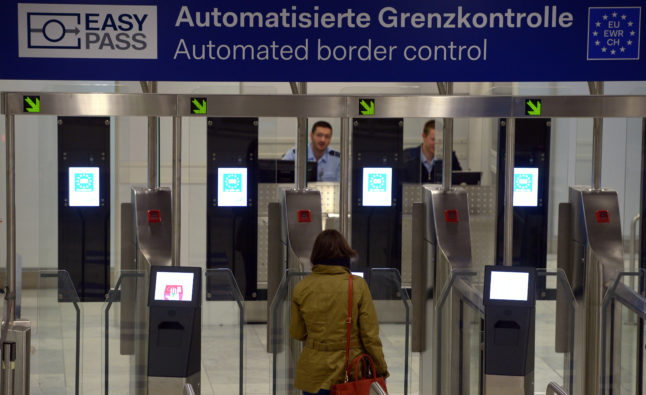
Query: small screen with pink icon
x: 174, y: 286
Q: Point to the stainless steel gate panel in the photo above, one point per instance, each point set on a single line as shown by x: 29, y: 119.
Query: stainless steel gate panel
x: 448, y: 248
x: 301, y: 232
x: 595, y: 259
x: 153, y: 224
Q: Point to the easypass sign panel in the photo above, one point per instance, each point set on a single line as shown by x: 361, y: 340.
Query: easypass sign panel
x: 334, y: 40
x: 87, y: 31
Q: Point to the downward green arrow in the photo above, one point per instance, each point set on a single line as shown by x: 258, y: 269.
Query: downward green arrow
x: 200, y: 107
x: 368, y: 109
x: 536, y: 108
x: 34, y: 107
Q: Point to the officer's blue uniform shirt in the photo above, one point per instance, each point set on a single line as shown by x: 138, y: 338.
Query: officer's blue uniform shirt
x: 428, y: 164
x: 328, y: 167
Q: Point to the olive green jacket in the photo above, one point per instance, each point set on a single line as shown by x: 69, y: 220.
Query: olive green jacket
x: 318, y: 317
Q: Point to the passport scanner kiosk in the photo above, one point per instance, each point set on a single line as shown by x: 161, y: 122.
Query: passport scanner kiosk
x: 510, y: 311
x: 174, y: 341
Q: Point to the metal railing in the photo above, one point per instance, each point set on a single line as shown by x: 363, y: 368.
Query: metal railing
x: 555, y: 389
x: 634, y: 248
x: 188, y: 389
x: 375, y: 389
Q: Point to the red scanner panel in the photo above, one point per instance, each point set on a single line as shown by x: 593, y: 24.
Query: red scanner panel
x: 304, y: 216
x: 603, y: 216
x: 154, y: 216
x: 451, y: 216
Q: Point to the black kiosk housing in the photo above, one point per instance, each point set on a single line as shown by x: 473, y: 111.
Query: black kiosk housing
x: 174, y: 340
x: 510, y: 311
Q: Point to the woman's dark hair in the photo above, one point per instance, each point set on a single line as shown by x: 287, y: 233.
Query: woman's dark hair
x: 330, y: 248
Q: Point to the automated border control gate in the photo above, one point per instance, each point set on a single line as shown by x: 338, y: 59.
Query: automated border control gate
x: 343, y: 107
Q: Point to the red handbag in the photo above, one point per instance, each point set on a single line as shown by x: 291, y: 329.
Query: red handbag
x: 357, y: 386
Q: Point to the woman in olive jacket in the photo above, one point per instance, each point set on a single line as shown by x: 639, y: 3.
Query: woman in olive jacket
x: 318, y: 317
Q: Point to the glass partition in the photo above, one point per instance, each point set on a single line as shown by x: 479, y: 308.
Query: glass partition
x: 285, y: 351
x: 125, y: 334
x: 622, y: 333
x: 394, y: 311
x: 460, y: 313
x: 56, y: 339
x: 554, y: 334
x: 223, y: 350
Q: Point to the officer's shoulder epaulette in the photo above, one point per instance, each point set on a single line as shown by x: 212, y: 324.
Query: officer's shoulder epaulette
x: 335, y: 153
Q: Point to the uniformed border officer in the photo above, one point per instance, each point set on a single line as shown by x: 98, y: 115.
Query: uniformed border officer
x: 328, y: 160
x: 420, y: 163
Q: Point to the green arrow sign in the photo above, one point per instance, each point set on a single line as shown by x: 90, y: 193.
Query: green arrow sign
x: 31, y: 104
x: 533, y: 107
x: 198, y: 105
x: 367, y: 106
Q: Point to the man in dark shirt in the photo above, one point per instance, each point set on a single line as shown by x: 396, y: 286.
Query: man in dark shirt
x: 420, y: 163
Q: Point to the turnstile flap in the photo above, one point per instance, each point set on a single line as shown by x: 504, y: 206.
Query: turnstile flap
x: 153, y: 224
x: 597, y: 213
x: 302, y: 211
x: 449, y: 223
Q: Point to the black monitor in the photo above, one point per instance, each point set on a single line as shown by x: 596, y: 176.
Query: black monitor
x: 175, y: 286
x: 458, y: 177
x: 466, y: 177
x: 282, y: 171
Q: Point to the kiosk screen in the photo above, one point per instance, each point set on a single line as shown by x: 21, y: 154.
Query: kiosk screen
x: 174, y: 286
x: 525, y: 186
x: 83, y: 187
x: 232, y: 187
x: 377, y: 186
x: 509, y: 286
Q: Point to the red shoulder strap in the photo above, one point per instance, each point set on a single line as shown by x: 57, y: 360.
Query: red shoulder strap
x: 349, y: 323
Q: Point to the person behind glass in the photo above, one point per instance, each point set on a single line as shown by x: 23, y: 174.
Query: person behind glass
x: 328, y: 160
x: 319, y: 313
x: 420, y: 163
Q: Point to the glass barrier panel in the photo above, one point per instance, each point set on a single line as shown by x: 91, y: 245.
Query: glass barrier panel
x: 622, y: 340
x: 630, y: 347
x: 473, y: 333
x: 554, y: 335
x: 223, y: 346
x: 56, y: 340
x: 394, y: 311
x: 451, y: 310
x: 285, y: 351
x: 124, y: 333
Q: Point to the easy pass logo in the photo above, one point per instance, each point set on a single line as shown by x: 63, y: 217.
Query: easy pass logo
x: 87, y: 31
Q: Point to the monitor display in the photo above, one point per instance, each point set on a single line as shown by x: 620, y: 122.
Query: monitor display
x: 525, y: 187
x: 174, y: 286
x: 232, y: 187
x: 506, y: 285
x: 377, y: 186
x: 83, y: 187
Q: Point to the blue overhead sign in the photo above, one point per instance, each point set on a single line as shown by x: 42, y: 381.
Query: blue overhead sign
x: 331, y: 40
